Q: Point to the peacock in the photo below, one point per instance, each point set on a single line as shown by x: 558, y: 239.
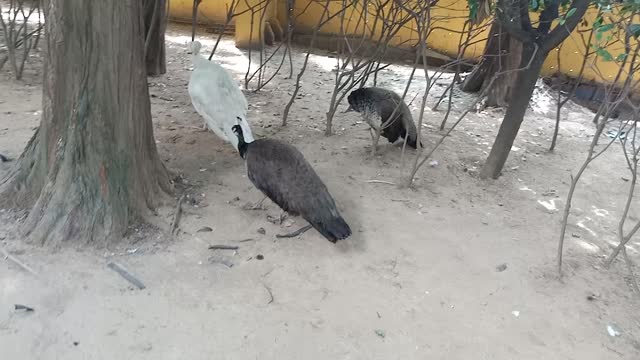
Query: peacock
x: 217, y: 98
x: 377, y: 105
x: 281, y: 172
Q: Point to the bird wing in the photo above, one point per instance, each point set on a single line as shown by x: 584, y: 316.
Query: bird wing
x: 281, y: 172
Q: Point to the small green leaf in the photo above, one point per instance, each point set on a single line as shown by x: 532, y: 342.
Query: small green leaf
x: 634, y: 29
x: 563, y: 19
x: 604, y: 28
x: 473, y: 8
x: 534, y: 5
x: 621, y: 57
x: 604, y: 54
x: 598, y: 22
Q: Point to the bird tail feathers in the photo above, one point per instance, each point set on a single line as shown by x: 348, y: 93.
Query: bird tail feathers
x: 334, y: 230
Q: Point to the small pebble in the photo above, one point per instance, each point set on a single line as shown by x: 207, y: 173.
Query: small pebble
x: 260, y: 257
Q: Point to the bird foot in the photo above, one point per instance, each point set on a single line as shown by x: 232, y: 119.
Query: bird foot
x: 256, y: 206
x: 295, y: 233
x: 277, y: 220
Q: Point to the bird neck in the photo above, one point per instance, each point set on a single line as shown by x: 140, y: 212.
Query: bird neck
x: 243, y: 146
x: 198, y: 61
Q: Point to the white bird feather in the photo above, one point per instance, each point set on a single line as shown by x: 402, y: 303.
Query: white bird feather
x: 217, y: 98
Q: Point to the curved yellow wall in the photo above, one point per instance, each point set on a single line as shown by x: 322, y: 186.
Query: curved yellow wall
x: 448, y: 19
x: 209, y: 11
x: 247, y: 30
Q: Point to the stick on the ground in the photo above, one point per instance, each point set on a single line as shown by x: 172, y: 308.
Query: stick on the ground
x: 177, y: 216
x: 295, y: 233
x: 23, y: 307
x: 20, y: 264
x: 126, y: 274
x: 270, y: 293
x: 223, y: 247
x: 380, y: 182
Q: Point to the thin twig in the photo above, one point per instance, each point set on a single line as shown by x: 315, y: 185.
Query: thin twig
x: 126, y: 274
x: 271, y: 299
x: 23, y: 307
x: 295, y: 233
x: 177, y: 215
x: 612, y: 100
x: 380, y: 182
x: 223, y: 247
x: 20, y: 264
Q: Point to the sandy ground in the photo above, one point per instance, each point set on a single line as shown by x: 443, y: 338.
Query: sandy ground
x: 455, y: 268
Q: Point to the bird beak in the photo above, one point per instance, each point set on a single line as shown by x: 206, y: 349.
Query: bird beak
x: 349, y: 109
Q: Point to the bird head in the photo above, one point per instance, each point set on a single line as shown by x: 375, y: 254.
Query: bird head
x: 241, y: 144
x: 237, y: 131
x: 355, y: 100
x: 194, y: 47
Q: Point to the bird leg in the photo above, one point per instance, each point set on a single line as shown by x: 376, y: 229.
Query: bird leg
x: 256, y: 206
x: 300, y: 231
x: 372, y: 135
x: 202, y: 128
x: 375, y: 137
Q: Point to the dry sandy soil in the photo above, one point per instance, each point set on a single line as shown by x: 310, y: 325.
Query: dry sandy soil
x: 454, y: 268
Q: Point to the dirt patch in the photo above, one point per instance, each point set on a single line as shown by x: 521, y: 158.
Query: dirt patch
x: 455, y: 268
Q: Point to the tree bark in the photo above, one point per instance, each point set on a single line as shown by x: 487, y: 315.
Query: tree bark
x: 502, y: 53
x: 475, y: 80
x: 155, y: 24
x: 92, y: 168
x: 535, y: 46
x: 526, y: 80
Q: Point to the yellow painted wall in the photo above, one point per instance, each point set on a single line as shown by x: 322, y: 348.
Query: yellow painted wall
x: 215, y: 12
x: 448, y: 17
x: 451, y: 15
x: 209, y: 11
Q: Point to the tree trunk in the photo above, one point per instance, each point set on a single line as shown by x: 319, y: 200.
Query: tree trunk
x: 155, y: 24
x: 502, y: 52
x: 526, y: 80
x: 91, y: 169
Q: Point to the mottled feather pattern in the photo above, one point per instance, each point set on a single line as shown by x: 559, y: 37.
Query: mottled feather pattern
x: 382, y: 103
x: 281, y: 172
